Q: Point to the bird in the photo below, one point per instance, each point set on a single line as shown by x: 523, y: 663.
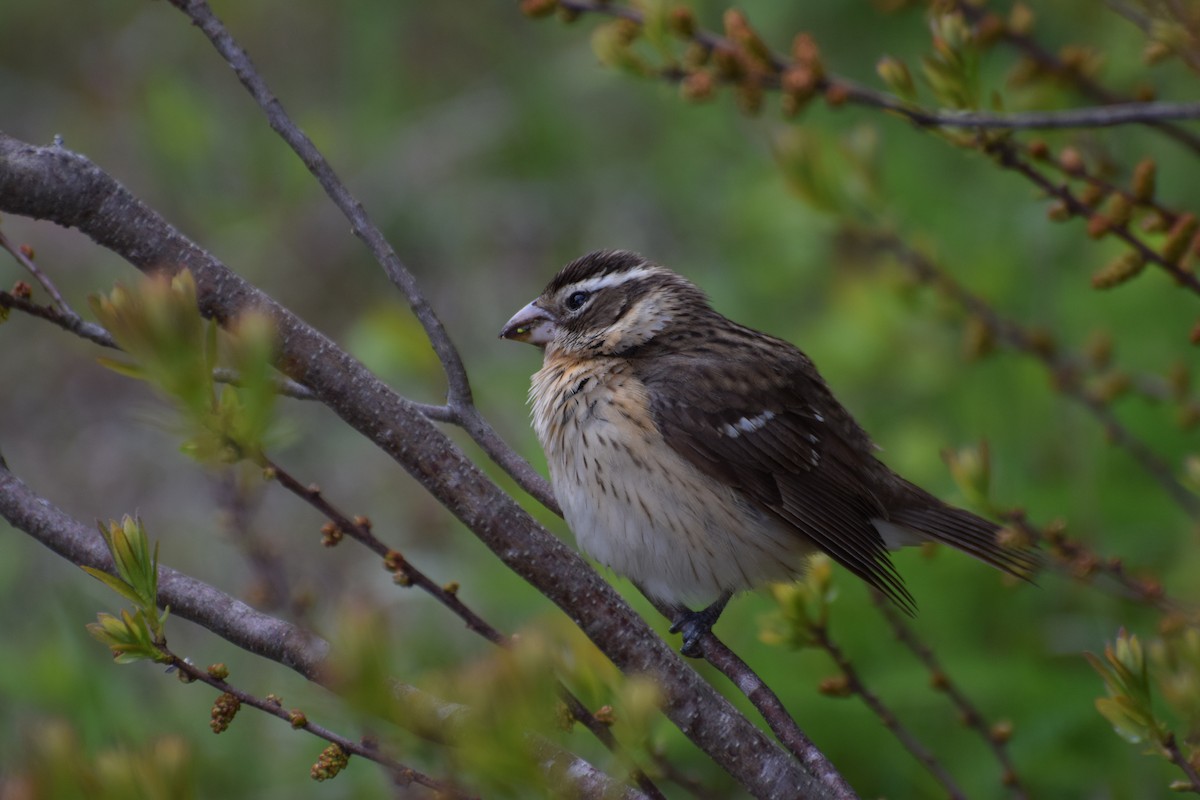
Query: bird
x: 700, y: 458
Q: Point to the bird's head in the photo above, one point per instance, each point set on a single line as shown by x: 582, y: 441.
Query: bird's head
x: 607, y: 303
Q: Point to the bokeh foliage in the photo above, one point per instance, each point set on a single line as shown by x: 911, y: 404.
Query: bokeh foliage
x: 493, y: 149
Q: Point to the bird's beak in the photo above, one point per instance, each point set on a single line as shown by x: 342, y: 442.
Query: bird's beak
x: 532, y: 324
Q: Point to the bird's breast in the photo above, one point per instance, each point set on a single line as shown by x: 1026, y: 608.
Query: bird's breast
x: 636, y: 505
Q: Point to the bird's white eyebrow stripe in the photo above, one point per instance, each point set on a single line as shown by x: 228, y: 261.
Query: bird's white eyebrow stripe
x: 747, y: 424
x: 613, y: 279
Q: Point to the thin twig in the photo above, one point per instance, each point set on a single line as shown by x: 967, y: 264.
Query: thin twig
x: 201, y: 14
x: 25, y: 261
x: 458, y: 395
x: 857, y: 93
x: 401, y: 774
x: 604, y: 735
x: 99, y: 335
x: 1107, y: 187
x: 360, y: 530
x: 282, y: 384
x: 1190, y: 56
x: 1097, y: 117
x: 763, y: 698
x: 500, y: 452
x: 1176, y: 757
x: 1007, y: 156
x: 696, y: 788
x: 1084, y: 565
x: 68, y: 322
x: 971, y: 715
x: 855, y: 685
x: 262, y: 635
x: 1049, y: 62
x: 408, y: 574
x: 1063, y: 367
x: 270, y: 586
x: 63, y: 316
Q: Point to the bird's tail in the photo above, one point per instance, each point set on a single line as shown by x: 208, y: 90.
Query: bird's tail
x: 970, y: 533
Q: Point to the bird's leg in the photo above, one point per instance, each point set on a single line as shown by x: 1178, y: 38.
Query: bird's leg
x: 694, y: 624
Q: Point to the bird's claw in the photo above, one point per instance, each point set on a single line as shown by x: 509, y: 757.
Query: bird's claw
x: 695, y: 625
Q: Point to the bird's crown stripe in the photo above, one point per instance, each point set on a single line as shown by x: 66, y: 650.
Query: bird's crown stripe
x: 612, y: 279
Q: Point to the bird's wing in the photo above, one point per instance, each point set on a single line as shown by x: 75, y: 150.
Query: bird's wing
x: 770, y: 428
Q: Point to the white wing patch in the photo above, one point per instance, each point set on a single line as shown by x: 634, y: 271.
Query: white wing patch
x: 747, y: 424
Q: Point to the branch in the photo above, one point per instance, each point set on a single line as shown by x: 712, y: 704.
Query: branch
x: 262, y: 634
x: 190, y: 599
x: 940, y: 681
x: 1176, y: 757
x: 407, y: 574
x: 855, y: 685
x: 202, y: 17
x: 850, y: 91
x: 1063, y: 368
x: 68, y: 322
x: 1096, y: 117
x: 1007, y: 156
x: 360, y: 530
x: 401, y: 774
x: 764, y: 699
x: 24, y: 257
x: 459, y: 399
x: 1049, y: 62
x: 53, y: 183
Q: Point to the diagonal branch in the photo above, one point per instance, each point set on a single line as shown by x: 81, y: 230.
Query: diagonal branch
x: 459, y: 402
x: 264, y: 635
x: 25, y: 259
x: 53, y: 183
x: 854, y: 685
x: 459, y: 389
x: 407, y: 574
x: 970, y: 715
x: 1063, y: 367
x: 763, y: 698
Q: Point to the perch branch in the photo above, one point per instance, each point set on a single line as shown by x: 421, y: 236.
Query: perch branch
x: 53, y: 183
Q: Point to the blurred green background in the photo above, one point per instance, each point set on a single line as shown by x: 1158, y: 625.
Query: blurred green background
x: 491, y: 149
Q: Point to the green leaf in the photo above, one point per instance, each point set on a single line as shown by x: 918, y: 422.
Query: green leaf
x: 128, y: 637
x: 116, y: 584
x: 1130, y: 723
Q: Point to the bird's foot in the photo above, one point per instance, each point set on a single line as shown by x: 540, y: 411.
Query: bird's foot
x: 694, y: 625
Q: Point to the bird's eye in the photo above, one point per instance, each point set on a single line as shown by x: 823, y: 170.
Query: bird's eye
x: 577, y: 299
